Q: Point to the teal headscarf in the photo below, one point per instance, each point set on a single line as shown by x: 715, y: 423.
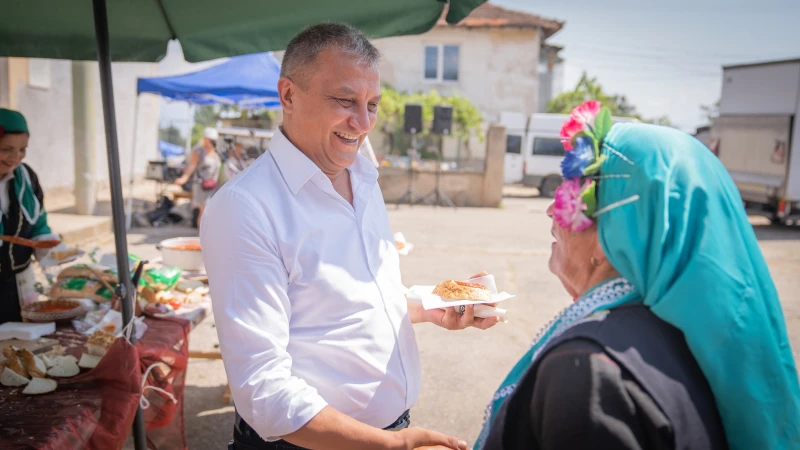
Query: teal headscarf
x: 671, y: 221
x: 32, y: 211
x: 689, y: 250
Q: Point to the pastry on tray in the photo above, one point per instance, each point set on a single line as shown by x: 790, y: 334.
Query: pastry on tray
x: 99, y: 342
x: 461, y: 290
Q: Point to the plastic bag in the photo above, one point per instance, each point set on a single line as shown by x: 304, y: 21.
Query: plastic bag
x: 160, y: 279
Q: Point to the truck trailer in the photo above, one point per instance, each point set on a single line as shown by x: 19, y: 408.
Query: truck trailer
x: 757, y: 136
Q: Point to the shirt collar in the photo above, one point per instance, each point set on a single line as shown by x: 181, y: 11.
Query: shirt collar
x: 297, y: 169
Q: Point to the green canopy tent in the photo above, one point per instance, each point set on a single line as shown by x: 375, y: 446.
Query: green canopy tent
x: 138, y: 30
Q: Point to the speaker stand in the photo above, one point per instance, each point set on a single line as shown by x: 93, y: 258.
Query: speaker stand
x: 441, y: 198
x: 411, y: 196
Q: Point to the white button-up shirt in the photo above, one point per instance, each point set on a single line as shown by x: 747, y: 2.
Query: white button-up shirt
x: 307, y: 297
x: 5, y: 201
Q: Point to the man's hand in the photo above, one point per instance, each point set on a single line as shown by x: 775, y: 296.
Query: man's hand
x: 413, y: 438
x: 451, y: 318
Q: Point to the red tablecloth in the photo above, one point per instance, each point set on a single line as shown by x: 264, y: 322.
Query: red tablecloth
x: 95, y: 409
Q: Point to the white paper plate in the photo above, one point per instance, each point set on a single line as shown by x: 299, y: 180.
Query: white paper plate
x: 430, y: 301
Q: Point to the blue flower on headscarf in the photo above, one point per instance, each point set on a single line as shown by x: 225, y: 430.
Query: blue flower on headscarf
x: 576, y: 160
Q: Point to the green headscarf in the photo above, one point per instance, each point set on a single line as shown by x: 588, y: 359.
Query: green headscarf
x: 14, y: 122
x: 687, y: 247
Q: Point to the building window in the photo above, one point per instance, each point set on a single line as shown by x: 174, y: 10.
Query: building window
x: 431, y: 62
x: 441, y: 62
x: 548, y: 147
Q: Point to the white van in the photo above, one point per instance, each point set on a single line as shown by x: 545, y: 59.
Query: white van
x: 534, y: 150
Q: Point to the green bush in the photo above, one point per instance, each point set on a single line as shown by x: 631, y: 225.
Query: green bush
x: 467, y: 120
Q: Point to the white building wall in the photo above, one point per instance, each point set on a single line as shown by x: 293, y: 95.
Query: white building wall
x: 48, y: 110
x: 498, y: 68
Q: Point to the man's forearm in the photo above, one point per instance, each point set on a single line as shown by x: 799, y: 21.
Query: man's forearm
x: 331, y: 429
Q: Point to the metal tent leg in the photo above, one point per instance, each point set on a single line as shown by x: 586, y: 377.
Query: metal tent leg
x: 125, y: 290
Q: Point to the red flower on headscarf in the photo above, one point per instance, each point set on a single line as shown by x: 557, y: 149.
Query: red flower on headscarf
x: 582, y: 117
x: 571, y: 127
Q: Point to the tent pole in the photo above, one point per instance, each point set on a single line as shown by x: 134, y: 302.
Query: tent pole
x: 129, y: 215
x: 117, y: 203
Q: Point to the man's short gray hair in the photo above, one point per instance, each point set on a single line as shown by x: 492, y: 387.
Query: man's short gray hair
x: 305, y: 47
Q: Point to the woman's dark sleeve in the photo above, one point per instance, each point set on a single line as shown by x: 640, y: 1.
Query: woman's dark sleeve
x: 583, y: 400
x: 37, y: 187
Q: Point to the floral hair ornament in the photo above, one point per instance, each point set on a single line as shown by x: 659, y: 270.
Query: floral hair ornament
x: 582, y: 135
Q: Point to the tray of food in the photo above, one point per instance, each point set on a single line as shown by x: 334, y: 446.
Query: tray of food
x: 38, y: 374
x: 52, y: 310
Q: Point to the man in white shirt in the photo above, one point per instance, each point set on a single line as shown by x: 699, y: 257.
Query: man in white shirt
x: 314, y: 327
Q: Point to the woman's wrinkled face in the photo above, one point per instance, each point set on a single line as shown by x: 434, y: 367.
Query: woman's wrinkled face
x: 12, y: 151
x: 571, y: 255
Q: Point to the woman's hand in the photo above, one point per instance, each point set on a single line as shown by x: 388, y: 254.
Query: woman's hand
x: 413, y: 438
x: 181, y: 181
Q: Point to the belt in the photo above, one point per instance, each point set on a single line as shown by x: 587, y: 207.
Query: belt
x: 245, y: 438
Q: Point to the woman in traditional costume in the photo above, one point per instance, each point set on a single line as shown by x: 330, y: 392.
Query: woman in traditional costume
x: 23, y: 215
x: 676, y: 338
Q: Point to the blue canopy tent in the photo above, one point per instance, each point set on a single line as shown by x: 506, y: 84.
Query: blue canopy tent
x: 246, y: 81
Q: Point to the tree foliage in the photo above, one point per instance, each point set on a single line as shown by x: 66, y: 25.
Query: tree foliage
x: 710, y: 111
x: 588, y: 88
x: 172, y: 135
x: 467, y: 119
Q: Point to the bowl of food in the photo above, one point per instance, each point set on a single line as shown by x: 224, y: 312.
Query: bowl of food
x: 183, y: 252
x: 52, y: 310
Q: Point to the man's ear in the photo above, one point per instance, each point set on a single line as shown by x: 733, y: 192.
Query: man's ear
x: 286, y: 91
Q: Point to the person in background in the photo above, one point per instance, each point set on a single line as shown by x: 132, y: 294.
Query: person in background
x: 314, y: 327
x: 234, y: 163
x: 676, y: 339
x: 205, y: 165
x: 23, y: 215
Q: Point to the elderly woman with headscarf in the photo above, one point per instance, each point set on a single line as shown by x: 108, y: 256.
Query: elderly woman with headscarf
x: 676, y: 339
x: 23, y: 215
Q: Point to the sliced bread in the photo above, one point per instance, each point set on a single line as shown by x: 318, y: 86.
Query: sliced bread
x: 39, y: 386
x: 33, y: 365
x: 12, y: 379
x: 65, y: 368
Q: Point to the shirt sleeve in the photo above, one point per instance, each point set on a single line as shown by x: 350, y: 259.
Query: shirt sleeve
x: 583, y: 400
x: 249, y: 284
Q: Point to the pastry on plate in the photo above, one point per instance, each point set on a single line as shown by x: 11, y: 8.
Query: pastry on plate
x: 461, y: 290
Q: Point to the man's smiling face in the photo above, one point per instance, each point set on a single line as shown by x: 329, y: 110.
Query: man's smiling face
x: 333, y: 109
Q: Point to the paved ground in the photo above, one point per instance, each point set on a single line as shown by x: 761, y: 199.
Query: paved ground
x: 461, y: 369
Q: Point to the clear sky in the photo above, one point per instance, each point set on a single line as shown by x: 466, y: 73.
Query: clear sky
x: 667, y: 56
